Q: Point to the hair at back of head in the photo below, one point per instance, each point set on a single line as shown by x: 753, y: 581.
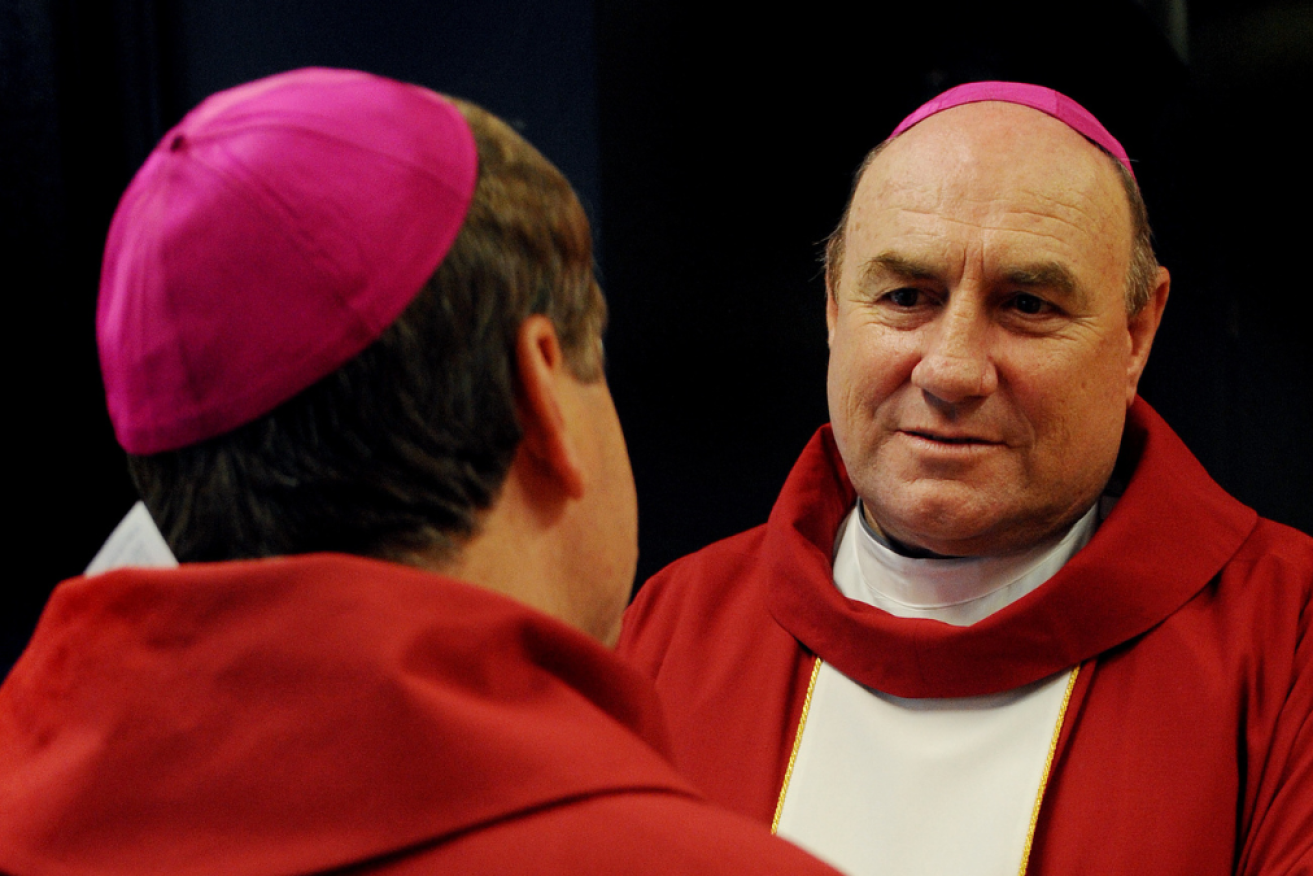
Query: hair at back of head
x: 398, y: 451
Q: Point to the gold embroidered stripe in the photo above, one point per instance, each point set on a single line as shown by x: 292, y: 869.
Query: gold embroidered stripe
x: 1048, y: 767
x: 797, y: 743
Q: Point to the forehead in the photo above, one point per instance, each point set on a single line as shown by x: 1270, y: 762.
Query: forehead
x: 1007, y: 177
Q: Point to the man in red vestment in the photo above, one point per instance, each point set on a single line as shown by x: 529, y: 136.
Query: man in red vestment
x: 350, y: 338
x: 997, y: 540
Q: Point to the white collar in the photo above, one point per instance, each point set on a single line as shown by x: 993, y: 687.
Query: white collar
x: 955, y: 591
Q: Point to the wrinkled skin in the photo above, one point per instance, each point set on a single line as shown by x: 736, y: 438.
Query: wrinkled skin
x: 981, y: 356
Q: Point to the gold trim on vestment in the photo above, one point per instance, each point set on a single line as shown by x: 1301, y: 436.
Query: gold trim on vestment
x: 797, y: 743
x: 1043, y: 781
x: 1048, y: 767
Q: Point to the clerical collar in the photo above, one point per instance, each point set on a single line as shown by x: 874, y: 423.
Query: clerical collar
x: 959, y: 590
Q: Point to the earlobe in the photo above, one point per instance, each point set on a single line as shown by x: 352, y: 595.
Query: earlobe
x: 542, y: 407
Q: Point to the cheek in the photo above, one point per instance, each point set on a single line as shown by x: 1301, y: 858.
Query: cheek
x: 867, y: 367
x: 1078, y: 413
x: 867, y: 363
x: 847, y: 381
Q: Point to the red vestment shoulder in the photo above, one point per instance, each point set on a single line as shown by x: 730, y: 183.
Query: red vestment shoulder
x: 1188, y: 746
x: 306, y: 714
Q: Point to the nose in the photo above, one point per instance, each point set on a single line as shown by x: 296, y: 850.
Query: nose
x: 956, y: 365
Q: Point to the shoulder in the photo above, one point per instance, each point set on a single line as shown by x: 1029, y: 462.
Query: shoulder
x: 635, y: 833
x: 723, y: 582
x: 1272, y: 571
x: 690, y: 577
x: 1286, y: 548
x: 1268, y: 587
x: 812, y: 504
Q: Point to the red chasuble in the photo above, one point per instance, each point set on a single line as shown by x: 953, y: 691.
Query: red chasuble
x: 305, y: 714
x: 1187, y: 747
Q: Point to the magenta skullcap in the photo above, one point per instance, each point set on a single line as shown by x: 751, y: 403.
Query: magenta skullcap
x: 1046, y: 100
x: 268, y: 239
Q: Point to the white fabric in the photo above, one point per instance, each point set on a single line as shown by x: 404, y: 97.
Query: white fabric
x: 136, y: 541
x: 958, y: 592
x: 885, y: 785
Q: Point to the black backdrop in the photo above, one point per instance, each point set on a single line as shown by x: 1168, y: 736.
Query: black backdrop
x: 713, y: 152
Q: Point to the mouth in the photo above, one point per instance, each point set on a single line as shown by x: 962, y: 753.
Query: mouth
x: 951, y: 440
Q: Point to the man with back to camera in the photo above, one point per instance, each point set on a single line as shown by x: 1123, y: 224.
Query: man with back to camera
x: 1000, y: 620
x: 340, y: 313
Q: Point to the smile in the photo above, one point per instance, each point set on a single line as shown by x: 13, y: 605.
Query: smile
x: 961, y: 440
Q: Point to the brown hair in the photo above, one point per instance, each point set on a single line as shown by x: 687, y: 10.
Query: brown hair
x: 399, y: 450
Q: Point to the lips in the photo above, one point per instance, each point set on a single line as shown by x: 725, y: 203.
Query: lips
x: 940, y: 438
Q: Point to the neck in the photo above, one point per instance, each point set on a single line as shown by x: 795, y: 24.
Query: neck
x: 525, y: 549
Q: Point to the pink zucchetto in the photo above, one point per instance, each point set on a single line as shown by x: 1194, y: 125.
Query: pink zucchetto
x: 1046, y: 100
x: 268, y: 239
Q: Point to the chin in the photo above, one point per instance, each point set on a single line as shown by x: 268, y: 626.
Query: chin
x: 952, y: 524
x: 951, y: 542
x: 958, y: 530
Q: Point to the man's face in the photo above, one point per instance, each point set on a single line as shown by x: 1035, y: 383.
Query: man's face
x: 981, y: 356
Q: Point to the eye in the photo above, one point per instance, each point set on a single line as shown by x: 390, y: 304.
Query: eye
x: 1028, y: 304
x: 905, y: 297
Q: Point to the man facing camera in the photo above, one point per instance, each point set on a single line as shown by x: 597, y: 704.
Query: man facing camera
x: 1000, y: 619
x: 351, y: 342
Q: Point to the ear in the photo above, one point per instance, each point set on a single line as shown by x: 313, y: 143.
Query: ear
x: 831, y: 306
x: 1143, y: 326
x: 543, y: 405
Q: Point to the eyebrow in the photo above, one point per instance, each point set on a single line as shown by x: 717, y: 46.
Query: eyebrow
x: 1050, y: 275
x: 1040, y: 275
x: 890, y: 263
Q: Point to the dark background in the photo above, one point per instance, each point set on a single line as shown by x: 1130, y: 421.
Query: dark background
x: 714, y: 152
